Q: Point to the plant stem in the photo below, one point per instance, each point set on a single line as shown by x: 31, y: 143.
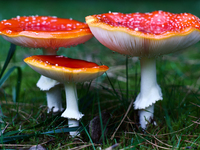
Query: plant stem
x: 72, y: 110
x: 54, y: 99
x: 150, y: 91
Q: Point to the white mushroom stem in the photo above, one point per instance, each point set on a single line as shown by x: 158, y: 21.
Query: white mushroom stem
x: 54, y: 99
x: 150, y: 91
x: 72, y: 110
x: 53, y: 93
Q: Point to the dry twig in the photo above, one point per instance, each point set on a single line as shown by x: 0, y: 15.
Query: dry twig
x: 122, y: 119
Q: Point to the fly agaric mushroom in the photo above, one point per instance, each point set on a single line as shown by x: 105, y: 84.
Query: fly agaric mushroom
x: 69, y: 72
x: 48, y: 33
x: 146, y: 35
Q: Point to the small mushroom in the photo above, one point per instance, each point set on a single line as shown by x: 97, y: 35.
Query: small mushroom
x: 48, y: 33
x: 69, y: 72
x: 146, y: 35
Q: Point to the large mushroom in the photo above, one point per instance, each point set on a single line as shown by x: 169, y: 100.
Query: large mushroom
x: 69, y: 72
x: 48, y: 33
x: 146, y: 35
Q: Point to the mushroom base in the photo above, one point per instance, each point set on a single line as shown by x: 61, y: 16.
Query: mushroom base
x: 146, y: 116
x: 73, y: 123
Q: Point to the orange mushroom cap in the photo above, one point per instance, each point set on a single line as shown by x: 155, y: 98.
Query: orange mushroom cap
x: 44, y: 31
x: 65, y: 69
x: 145, y: 34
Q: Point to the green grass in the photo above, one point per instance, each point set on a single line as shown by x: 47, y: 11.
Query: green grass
x: 26, y: 122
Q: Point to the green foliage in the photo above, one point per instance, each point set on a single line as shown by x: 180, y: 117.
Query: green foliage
x: 8, y: 73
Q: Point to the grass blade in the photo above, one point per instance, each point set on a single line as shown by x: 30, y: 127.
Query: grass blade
x: 18, y: 85
x: 17, y: 137
x: 5, y: 77
x: 116, y: 94
x: 63, y: 130
x: 127, y: 94
x: 9, y: 56
x: 19, y: 76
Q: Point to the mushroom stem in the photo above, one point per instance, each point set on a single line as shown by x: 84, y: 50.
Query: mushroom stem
x: 72, y: 111
x: 73, y: 123
x: 53, y: 93
x: 54, y: 99
x: 150, y: 91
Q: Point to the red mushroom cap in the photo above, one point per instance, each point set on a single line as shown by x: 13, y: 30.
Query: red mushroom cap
x: 44, y: 31
x: 65, y: 69
x: 149, y: 34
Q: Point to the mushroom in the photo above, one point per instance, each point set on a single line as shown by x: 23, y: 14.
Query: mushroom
x: 148, y: 36
x: 48, y: 33
x: 69, y: 72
